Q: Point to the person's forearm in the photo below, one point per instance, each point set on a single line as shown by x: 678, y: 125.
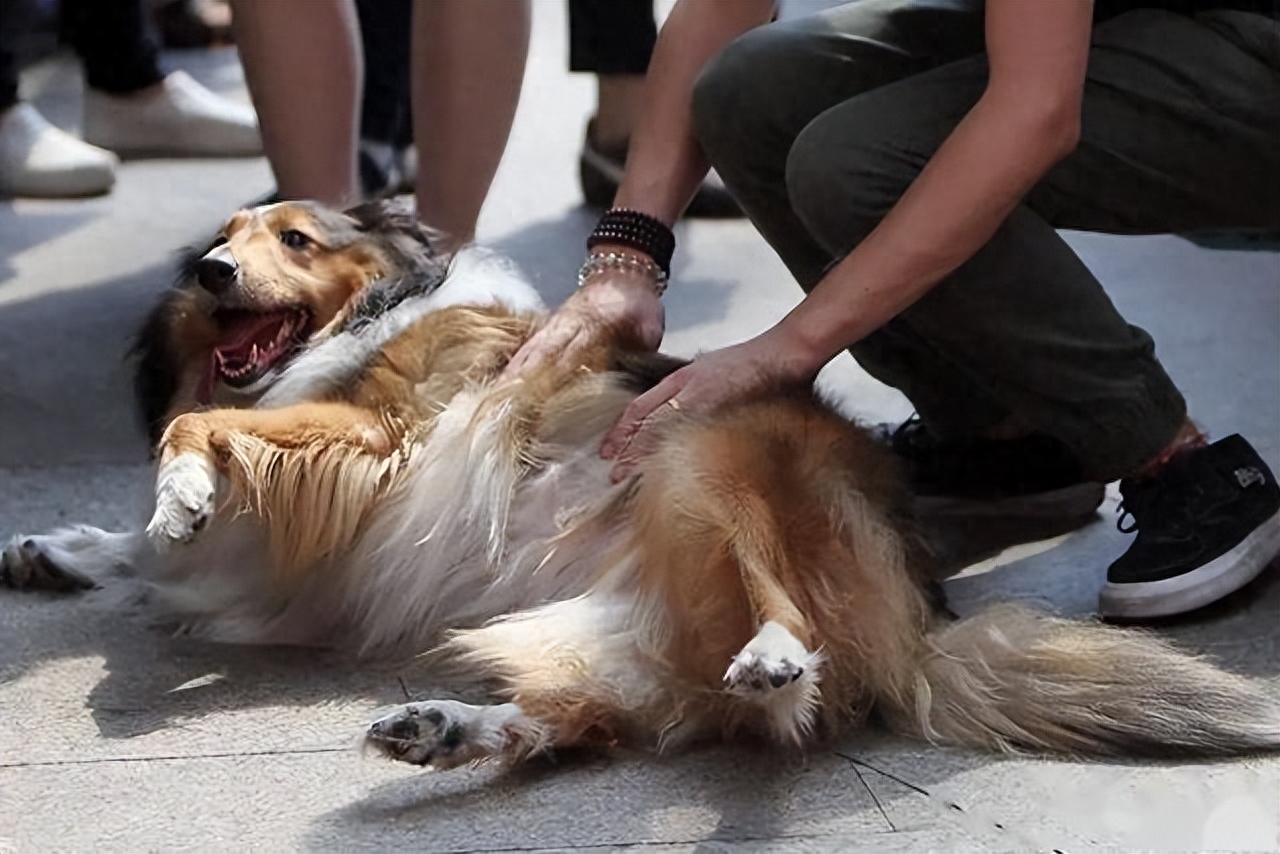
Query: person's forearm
x: 665, y: 164
x: 973, y: 182
x: 1027, y: 120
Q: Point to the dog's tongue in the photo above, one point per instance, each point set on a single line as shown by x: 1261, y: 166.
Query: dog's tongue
x: 248, y: 344
x: 239, y: 334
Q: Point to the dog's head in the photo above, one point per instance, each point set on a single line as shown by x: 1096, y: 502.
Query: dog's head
x: 274, y: 279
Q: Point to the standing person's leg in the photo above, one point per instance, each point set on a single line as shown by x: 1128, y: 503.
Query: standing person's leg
x: 113, y: 42
x: 36, y: 158
x: 303, y: 63
x: 468, y: 67
x: 614, y: 39
x: 131, y: 106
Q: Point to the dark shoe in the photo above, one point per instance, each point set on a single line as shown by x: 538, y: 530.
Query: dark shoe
x: 375, y: 180
x: 384, y: 170
x: 600, y: 173
x: 1031, y: 477
x: 1208, y: 523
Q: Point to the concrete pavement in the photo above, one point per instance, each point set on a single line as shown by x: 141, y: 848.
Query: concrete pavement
x: 115, y: 737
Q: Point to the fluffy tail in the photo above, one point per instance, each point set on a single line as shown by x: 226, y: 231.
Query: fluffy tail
x: 1012, y: 679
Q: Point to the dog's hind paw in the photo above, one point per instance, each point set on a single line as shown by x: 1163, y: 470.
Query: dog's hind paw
x: 773, y: 659
x: 27, y: 565
x: 184, y: 500
x: 446, y: 733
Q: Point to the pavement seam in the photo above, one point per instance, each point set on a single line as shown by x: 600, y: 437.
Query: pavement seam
x: 52, y: 763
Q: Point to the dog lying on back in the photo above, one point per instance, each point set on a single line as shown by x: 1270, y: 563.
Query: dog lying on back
x: 341, y: 463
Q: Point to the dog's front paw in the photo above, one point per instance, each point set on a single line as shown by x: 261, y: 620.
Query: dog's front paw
x: 446, y: 733
x: 184, y: 500
x: 27, y: 564
x: 773, y: 659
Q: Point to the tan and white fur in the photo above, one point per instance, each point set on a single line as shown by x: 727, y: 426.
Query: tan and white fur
x: 387, y: 491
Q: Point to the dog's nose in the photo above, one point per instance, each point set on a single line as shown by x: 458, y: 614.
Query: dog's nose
x: 215, y: 274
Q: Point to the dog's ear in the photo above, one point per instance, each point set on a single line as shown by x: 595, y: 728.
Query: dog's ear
x: 157, y: 370
x: 389, y: 218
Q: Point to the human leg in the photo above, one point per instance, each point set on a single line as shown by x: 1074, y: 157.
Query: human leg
x: 613, y: 40
x: 111, y: 37
x: 303, y: 63
x: 468, y: 68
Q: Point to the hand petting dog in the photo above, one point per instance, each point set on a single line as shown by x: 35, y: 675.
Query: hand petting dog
x: 756, y: 367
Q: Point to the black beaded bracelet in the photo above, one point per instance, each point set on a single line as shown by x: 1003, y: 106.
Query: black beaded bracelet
x: 636, y: 230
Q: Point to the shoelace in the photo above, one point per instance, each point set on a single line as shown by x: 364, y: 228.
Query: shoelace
x: 1156, y: 506
x: 912, y: 438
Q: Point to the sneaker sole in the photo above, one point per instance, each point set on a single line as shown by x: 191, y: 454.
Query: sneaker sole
x: 1080, y: 499
x: 1216, y: 579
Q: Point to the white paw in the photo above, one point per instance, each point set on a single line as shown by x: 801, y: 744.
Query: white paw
x: 30, y: 563
x: 184, y: 500
x: 446, y: 733
x: 773, y: 659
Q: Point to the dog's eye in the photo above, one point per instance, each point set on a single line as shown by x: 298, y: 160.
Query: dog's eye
x: 294, y: 239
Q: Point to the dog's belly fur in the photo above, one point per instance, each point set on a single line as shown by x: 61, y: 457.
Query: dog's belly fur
x: 459, y: 539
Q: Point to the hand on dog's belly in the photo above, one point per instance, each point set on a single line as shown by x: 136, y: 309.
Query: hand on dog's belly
x: 184, y: 500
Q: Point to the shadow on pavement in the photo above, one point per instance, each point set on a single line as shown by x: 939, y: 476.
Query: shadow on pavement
x: 34, y: 227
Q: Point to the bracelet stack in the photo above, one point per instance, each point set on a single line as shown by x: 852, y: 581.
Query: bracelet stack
x: 636, y: 230
x: 598, y: 261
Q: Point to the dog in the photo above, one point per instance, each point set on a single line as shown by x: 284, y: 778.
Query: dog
x: 341, y: 461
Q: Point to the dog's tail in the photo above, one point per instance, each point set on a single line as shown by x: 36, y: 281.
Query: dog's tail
x: 1013, y: 680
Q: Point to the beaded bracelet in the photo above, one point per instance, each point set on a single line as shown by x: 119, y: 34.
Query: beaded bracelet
x: 599, y: 261
x: 636, y: 230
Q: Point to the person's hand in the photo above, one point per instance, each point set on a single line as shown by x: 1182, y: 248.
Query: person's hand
x: 619, y: 305
x: 761, y: 365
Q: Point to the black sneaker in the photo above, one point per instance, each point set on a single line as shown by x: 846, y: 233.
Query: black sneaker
x: 1208, y: 523
x: 600, y: 172
x: 1031, y: 477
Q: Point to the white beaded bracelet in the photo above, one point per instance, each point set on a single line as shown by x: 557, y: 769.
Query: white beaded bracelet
x: 599, y: 261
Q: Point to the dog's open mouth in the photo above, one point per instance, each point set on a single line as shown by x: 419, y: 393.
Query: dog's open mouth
x: 250, y: 343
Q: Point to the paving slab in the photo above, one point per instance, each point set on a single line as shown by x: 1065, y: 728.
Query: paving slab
x: 117, y: 736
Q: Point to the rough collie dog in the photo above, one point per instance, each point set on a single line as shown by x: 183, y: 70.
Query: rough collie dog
x: 341, y: 463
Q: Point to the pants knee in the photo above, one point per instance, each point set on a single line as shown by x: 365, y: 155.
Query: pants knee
x: 726, y: 96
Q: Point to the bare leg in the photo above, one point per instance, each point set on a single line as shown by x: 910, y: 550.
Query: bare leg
x: 468, y: 66
x: 617, y: 108
x: 303, y: 62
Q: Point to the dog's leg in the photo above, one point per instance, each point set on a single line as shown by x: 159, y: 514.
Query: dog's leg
x: 65, y: 560
x: 446, y: 733
x: 195, y: 447
x: 775, y: 658
x: 721, y: 550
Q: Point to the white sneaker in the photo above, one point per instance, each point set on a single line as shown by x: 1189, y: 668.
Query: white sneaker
x: 40, y: 160
x: 179, y: 118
